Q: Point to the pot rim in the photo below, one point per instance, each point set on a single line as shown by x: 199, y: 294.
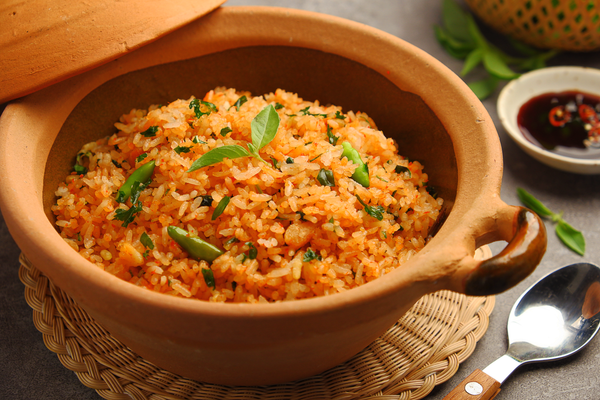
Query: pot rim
x: 475, y: 184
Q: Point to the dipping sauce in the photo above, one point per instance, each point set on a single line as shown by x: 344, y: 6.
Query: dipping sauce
x: 565, y: 123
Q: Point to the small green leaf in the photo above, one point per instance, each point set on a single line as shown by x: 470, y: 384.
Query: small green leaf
x: 150, y: 132
x: 264, y: 127
x: 534, y: 204
x: 209, y: 278
x: 571, y: 237
x: 476, y: 34
x: 331, y: 137
x: 325, y: 177
x: 253, y: 251
x: 239, y: 102
x: 496, y: 66
x: 278, y: 106
x: 141, y: 157
x: 339, y: 115
x: 196, y: 105
x: 455, y: 20
x: 217, y: 155
x: 454, y: 47
x: 401, y: 169
x: 225, y: 131
x: 374, y: 211
x: 220, y: 207
x: 146, y: 241
x: 310, y: 255
x: 473, y: 59
x: 231, y: 241
x: 182, y: 149
x: 485, y: 87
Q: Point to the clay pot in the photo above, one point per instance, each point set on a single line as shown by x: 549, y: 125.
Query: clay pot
x: 427, y: 109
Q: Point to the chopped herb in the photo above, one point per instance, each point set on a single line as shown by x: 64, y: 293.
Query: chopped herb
x: 206, y: 201
x: 276, y: 163
x: 78, y: 167
x: 225, y: 131
x: 384, y: 234
x: 197, y: 104
x: 127, y: 216
x: 339, y: 115
x: 400, y: 169
x: 289, y: 160
x: 301, y: 214
x: 373, y: 211
x: 141, y: 157
x: 263, y: 129
x: 209, y: 278
x: 191, y: 124
x: 244, y: 257
x: 291, y: 115
x: 150, y: 132
x: 170, y: 281
x: 196, y: 140
x: 182, y: 149
x: 325, y: 177
x: 146, y: 253
x: 239, y: 102
x: 307, y: 143
x: 331, y: 220
x: 146, y: 241
x: 232, y: 241
x: 313, y: 159
x: 381, y: 179
x: 220, y: 207
x: 278, y: 106
x: 331, y: 137
x: 432, y: 192
x: 311, y: 255
x: 258, y: 189
x: 116, y: 164
x: 253, y: 251
x: 79, y: 237
x: 305, y: 111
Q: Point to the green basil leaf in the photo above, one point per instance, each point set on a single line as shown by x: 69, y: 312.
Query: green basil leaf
x: 331, y: 137
x: 571, y: 237
x: 484, y: 88
x: 278, y: 106
x: 253, y: 251
x: 339, y: 115
x: 401, y: 169
x: 455, y: 20
x: 455, y: 48
x: 209, y: 278
x: 534, y: 204
x: 182, y: 149
x: 325, y: 177
x: 196, y: 105
x: 220, y: 207
x: 310, y: 255
x: 473, y: 59
x: 497, y: 66
x: 150, y: 132
x: 475, y: 33
x: 264, y: 127
x: 374, y: 211
x: 217, y: 155
x: 146, y: 241
x: 141, y: 157
x: 206, y: 201
x: 239, y: 102
x: 231, y: 241
x: 225, y: 131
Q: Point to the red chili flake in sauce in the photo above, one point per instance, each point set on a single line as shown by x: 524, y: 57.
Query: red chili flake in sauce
x: 565, y: 123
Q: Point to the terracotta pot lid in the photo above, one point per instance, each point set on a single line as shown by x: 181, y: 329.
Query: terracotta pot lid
x: 46, y: 41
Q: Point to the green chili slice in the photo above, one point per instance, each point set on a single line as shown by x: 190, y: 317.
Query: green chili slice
x: 197, y: 248
x: 209, y: 278
x: 141, y: 175
x: 361, y: 173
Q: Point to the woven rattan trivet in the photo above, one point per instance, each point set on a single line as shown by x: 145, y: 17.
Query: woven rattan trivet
x: 422, y: 350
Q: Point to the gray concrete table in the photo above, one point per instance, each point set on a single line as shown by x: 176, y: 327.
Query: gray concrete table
x: 29, y: 371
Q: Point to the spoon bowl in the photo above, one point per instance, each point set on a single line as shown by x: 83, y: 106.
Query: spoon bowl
x: 555, y: 318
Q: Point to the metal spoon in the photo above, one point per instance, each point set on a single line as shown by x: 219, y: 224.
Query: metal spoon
x: 553, y: 319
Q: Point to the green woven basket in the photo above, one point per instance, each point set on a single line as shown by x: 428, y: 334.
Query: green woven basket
x: 572, y: 25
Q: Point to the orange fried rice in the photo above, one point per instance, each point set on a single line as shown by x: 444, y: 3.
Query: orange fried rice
x: 284, y: 234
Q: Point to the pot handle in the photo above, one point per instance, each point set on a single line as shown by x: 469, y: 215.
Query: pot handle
x: 518, y: 259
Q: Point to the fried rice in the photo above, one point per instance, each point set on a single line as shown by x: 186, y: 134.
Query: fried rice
x: 285, y: 233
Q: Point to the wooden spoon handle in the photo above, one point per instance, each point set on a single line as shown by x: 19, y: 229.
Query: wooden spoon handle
x: 477, y: 386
